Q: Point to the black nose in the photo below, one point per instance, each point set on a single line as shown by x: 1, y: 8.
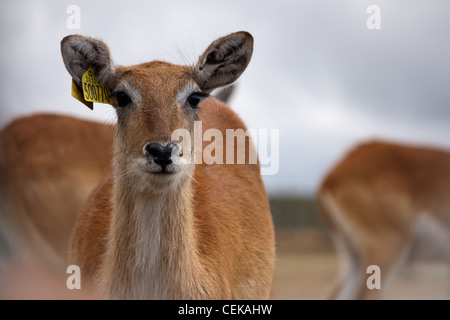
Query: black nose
x: 161, y: 155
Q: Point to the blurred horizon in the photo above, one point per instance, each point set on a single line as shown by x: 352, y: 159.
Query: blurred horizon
x: 317, y: 74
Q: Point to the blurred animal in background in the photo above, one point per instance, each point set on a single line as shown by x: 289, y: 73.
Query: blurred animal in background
x: 49, y: 164
x: 376, y: 201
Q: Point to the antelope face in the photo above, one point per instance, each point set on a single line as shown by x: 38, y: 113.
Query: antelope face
x: 154, y: 99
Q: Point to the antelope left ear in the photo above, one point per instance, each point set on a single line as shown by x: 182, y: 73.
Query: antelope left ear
x: 224, y: 61
x: 79, y: 53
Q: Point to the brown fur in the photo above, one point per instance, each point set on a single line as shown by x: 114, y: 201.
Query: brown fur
x: 377, y: 192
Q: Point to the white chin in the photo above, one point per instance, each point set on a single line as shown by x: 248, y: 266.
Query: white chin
x: 151, y: 177
x: 154, y: 168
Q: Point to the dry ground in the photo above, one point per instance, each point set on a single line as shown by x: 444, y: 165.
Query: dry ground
x: 307, y: 267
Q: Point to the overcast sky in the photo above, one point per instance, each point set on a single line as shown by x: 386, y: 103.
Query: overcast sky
x: 318, y: 74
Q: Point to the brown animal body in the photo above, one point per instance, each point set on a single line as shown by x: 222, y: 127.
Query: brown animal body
x: 373, y: 201
x: 49, y: 165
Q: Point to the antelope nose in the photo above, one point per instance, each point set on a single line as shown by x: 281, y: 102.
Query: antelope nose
x: 161, y: 155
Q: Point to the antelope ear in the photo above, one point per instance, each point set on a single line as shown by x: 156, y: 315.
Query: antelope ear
x: 79, y: 53
x: 224, y: 61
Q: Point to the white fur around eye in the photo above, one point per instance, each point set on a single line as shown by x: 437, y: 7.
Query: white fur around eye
x: 186, y: 91
x: 131, y: 91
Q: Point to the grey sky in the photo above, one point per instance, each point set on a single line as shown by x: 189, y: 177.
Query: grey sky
x: 317, y: 73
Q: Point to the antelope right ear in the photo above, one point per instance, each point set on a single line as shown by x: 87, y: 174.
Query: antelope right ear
x: 79, y: 53
x: 224, y: 61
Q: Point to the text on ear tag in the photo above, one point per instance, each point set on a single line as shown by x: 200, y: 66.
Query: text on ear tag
x: 92, y: 90
x: 79, y: 96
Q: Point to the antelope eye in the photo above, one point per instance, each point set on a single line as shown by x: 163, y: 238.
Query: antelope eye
x: 195, y: 98
x: 122, y: 99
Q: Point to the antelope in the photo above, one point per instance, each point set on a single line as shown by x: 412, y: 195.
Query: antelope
x: 160, y: 226
x: 374, y: 200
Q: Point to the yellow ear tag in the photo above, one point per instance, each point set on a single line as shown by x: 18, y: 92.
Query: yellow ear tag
x: 93, y: 91
x: 79, y: 96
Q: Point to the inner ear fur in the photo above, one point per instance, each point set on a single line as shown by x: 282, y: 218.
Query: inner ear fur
x: 224, y: 61
x: 79, y: 53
